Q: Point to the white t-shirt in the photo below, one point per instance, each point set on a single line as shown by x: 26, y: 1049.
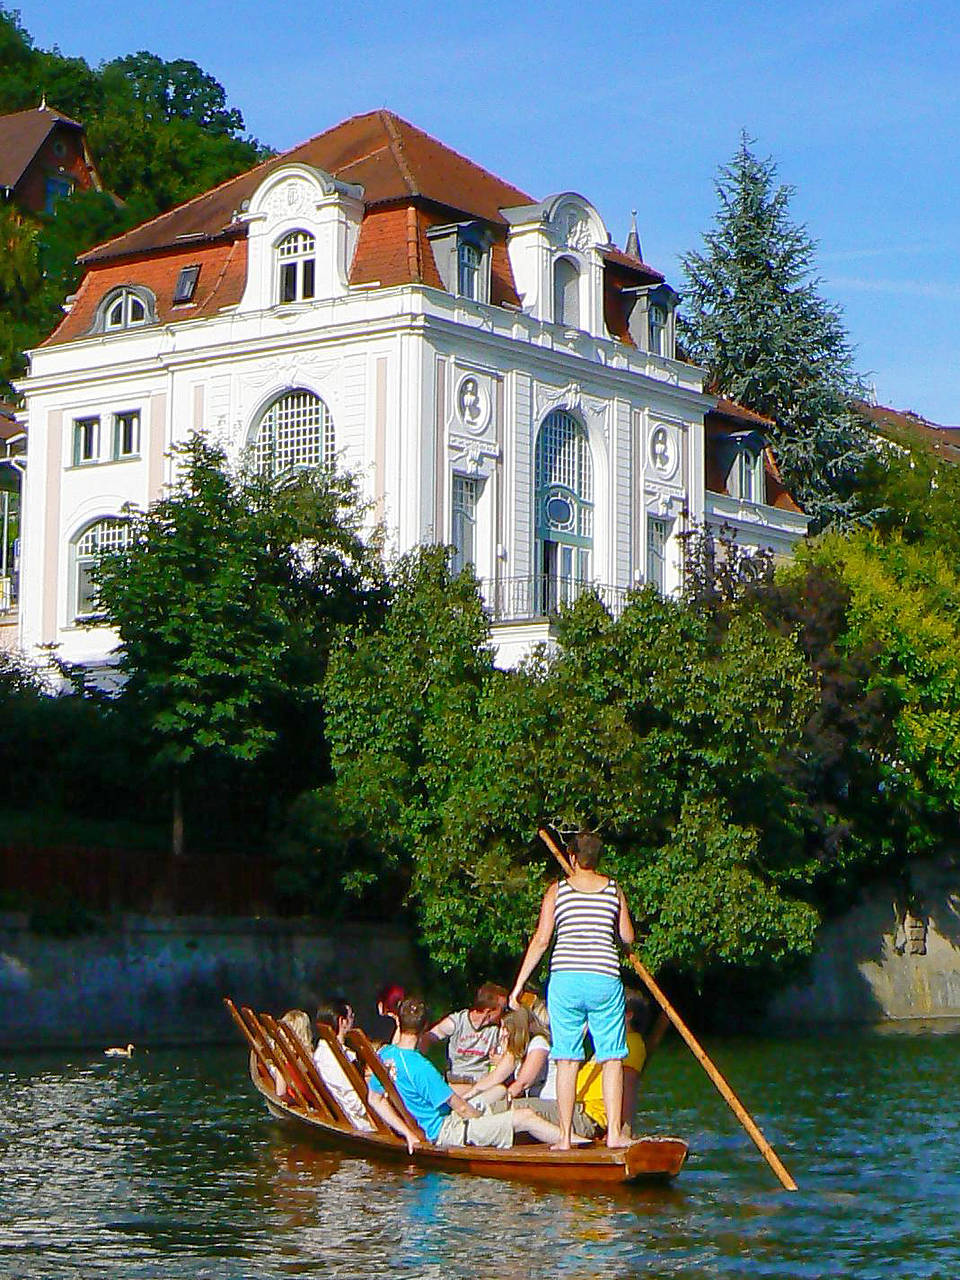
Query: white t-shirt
x: 548, y: 1090
x: 536, y: 1088
x: 337, y: 1081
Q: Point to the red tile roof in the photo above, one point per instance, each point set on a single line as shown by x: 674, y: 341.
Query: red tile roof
x: 22, y: 134
x: 906, y: 427
x: 391, y: 159
x: 745, y: 419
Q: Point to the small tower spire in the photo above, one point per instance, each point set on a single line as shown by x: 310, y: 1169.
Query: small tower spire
x: 633, y: 240
x: 43, y: 102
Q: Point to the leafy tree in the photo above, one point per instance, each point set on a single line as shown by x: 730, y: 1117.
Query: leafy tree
x: 755, y: 319
x: 657, y: 729
x: 166, y: 91
x: 21, y: 302
x: 226, y: 604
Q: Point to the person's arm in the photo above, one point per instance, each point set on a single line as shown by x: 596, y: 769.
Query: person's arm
x: 463, y: 1109
x: 440, y: 1031
x: 529, y: 1072
x: 502, y: 1071
x: 627, y: 934
x: 538, y: 945
x: 385, y: 1109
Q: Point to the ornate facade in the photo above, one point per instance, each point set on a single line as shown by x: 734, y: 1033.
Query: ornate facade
x: 499, y: 375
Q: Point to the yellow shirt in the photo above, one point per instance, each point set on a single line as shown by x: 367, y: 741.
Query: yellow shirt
x: 590, y: 1078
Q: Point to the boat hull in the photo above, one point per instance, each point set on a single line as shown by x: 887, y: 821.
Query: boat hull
x: 645, y: 1160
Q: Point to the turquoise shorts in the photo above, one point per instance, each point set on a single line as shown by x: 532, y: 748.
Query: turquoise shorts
x: 577, y: 1001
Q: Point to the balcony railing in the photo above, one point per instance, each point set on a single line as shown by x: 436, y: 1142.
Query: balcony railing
x: 526, y: 599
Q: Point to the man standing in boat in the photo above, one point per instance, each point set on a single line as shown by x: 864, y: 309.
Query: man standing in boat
x: 588, y: 913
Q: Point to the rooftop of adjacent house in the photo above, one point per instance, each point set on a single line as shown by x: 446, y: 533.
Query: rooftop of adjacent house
x: 904, y: 426
x: 22, y: 134
x: 392, y: 160
x: 9, y: 427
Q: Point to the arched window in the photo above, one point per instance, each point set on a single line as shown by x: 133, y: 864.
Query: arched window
x: 658, y: 329
x: 105, y: 535
x: 566, y: 293
x: 295, y: 431
x: 564, y: 510
x: 297, y: 263
x: 125, y: 308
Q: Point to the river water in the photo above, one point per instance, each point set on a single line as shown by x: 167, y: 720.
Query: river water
x: 167, y: 1166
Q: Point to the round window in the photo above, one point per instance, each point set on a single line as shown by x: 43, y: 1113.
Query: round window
x: 559, y: 512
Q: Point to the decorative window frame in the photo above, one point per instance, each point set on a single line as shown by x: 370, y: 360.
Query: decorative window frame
x: 565, y: 260
x: 86, y: 423
x: 302, y: 259
x: 82, y: 559
x: 125, y: 291
x: 448, y: 242
x: 327, y: 444
x: 119, y: 417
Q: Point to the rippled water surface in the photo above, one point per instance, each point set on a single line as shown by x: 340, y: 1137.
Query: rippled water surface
x: 167, y: 1166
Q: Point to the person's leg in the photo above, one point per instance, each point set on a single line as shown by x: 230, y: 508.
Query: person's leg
x: 527, y: 1121
x: 566, y: 1099
x: 613, y: 1101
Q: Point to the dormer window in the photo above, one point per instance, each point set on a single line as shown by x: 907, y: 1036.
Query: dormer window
x: 469, y: 259
x: 658, y: 328
x: 566, y: 293
x: 461, y: 251
x: 126, y: 311
x: 297, y: 261
x: 186, y: 285
x: 741, y: 456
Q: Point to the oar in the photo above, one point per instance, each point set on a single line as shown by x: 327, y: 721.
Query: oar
x: 739, y: 1110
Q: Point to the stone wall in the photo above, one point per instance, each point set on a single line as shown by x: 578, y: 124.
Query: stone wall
x: 154, y: 981
x: 890, y: 957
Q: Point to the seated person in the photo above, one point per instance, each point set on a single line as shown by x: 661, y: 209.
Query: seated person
x: 442, y: 1114
x: 590, y: 1075
x: 388, y: 1002
x: 519, y: 1062
x: 299, y: 1023
x: 472, y: 1036
x: 338, y: 1016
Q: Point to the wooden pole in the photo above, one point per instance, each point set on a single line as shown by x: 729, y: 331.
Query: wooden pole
x: 731, y: 1099
x: 357, y: 1040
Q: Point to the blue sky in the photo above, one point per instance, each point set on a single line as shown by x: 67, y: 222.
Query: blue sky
x: 635, y: 106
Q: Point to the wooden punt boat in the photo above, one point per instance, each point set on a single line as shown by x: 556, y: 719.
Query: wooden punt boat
x: 310, y: 1108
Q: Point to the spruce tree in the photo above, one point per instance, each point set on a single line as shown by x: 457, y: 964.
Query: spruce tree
x: 755, y: 320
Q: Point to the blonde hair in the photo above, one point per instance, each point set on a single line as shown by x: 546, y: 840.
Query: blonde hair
x: 516, y: 1028
x: 299, y: 1024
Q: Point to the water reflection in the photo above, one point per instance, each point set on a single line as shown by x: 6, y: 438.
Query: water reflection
x: 167, y: 1166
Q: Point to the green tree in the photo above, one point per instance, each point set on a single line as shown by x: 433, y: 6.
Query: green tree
x: 226, y: 604
x: 660, y: 729
x: 21, y: 295
x: 754, y: 318
x: 166, y: 91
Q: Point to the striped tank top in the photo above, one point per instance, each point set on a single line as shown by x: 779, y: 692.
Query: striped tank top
x: 586, y: 925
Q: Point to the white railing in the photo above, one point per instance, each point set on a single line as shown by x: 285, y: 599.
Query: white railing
x: 523, y: 599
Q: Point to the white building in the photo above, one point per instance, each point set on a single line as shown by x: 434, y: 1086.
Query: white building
x: 497, y: 372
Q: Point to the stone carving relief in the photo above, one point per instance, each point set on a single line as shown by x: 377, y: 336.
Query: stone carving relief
x: 594, y: 412
x: 577, y: 230
x: 472, y: 456
x: 289, y: 197
x: 473, y: 403
x: 664, y: 452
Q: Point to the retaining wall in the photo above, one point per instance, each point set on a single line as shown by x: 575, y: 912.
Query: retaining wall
x: 153, y: 981
x: 885, y: 959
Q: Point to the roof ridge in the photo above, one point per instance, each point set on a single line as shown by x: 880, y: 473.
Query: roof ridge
x: 389, y: 122
x: 395, y: 119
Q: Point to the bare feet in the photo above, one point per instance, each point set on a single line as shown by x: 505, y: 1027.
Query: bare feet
x: 560, y: 1146
x: 616, y: 1144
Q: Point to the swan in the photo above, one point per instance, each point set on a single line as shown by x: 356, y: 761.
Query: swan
x: 119, y: 1053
